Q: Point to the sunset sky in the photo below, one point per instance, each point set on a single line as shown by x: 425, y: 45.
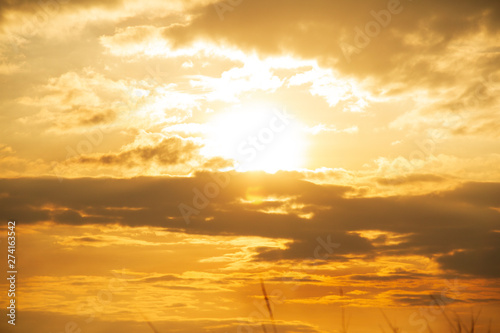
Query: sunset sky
x: 161, y: 157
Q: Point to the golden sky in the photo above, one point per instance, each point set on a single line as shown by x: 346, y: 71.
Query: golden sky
x: 161, y: 157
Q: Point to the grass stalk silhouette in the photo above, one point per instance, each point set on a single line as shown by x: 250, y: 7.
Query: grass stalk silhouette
x: 342, y: 310
x: 456, y: 325
x: 150, y: 324
x: 394, y: 329
x: 268, y: 305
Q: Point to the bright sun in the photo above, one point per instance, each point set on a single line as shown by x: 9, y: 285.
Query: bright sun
x: 257, y: 138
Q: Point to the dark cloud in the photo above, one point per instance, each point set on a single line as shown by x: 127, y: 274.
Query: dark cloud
x: 481, y: 194
x: 292, y: 279
x: 88, y: 239
x: 315, y: 30
x: 49, y: 7
x: 182, y: 288
x: 436, y: 300
x: 385, y: 278
x: 67, y: 217
x: 329, y: 247
x: 482, y: 261
x: 168, y: 151
x: 177, y: 305
x: 162, y: 278
x: 91, y: 117
x: 432, y: 225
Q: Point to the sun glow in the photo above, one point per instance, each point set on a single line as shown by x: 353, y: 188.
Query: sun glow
x: 257, y: 138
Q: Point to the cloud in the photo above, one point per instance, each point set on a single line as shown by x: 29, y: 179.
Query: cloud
x: 434, y: 225
x: 162, y: 278
x: 149, y: 154
x: 8, y: 68
x: 469, y: 109
x: 334, y: 89
x: 422, y: 300
x: 394, y: 276
x: 331, y: 128
x: 97, y: 240
x: 395, y: 55
x: 317, y: 248
x: 479, y: 262
x: 422, y: 164
x: 75, y: 100
x: 253, y: 76
x: 162, y: 150
x: 38, y: 320
x: 137, y: 39
x: 23, y: 20
x: 411, y: 179
x: 12, y: 165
